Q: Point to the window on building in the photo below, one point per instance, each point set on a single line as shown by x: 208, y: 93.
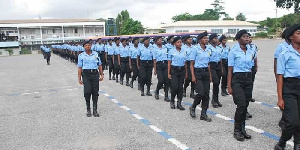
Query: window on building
x: 233, y: 31
x: 45, y: 31
x: 178, y: 31
x: 75, y: 30
x: 218, y: 31
x: 53, y: 31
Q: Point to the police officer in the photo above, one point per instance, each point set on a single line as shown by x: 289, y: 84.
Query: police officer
x: 123, y: 59
x: 224, y: 56
x: 102, y: 53
x: 115, y: 58
x: 47, y: 54
x: 216, y: 69
x: 89, y: 67
x: 160, y: 63
x: 109, y: 50
x: 189, y: 48
x: 240, y: 82
x: 177, y: 72
x: 145, y: 65
x: 201, y: 76
x: 133, y: 60
x: 254, y: 48
x: 288, y: 88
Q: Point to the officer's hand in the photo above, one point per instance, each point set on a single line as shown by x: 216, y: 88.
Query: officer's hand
x: 280, y: 104
x: 80, y: 82
x: 169, y: 76
x: 155, y: 72
x: 194, y: 79
x: 230, y: 90
x: 101, y: 78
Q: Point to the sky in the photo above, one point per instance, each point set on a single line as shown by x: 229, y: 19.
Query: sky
x: 150, y: 12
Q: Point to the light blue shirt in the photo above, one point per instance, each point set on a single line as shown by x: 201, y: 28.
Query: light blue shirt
x: 124, y: 51
x: 281, y: 47
x: 145, y: 53
x: 201, y: 57
x: 240, y: 61
x: 86, y: 61
x: 117, y: 50
x: 169, y: 46
x: 288, y: 63
x: 160, y: 54
x: 225, y: 51
x: 254, y: 50
x: 134, y: 52
x: 189, y: 51
x: 109, y: 49
x: 215, y: 53
x: 178, y: 58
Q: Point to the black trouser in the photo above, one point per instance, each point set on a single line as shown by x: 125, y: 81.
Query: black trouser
x: 291, y: 111
x: 90, y: 86
x: 242, y: 93
x: 177, y: 75
x: 116, y: 67
x: 202, y: 88
x: 253, y: 70
x: 125, y: 69
x: 146, y: 68
x: 135, y: 70
x: 215, y: 69
x: 110, y: 65
x: 48, y: 55
x: 189, y: 79
x: 224, y: 75
x: 162, y: 76
x: 102, y: 58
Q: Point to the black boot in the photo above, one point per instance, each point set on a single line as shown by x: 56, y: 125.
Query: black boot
x: 88, y: 107
x: 156, y: 95
x: 184, y: 93
x: 172, y: 104
x: 148, y: 92
x: 117, y: 80
x: 214, y: 104
x: 88, y: 113
x: 219, y: 104
x: 113, y: 78
x: 192, y: 95
x: 281, y: 145
x: 109, y: 78
x: 95, y: 113
x: 223, y: 92
x: 167, y: 99
x: 121, y: 81
x: 192, y: 112
x: 179, y: 106
x: 252, y: 100
x: 131, y: 84
x: 127, y: 83
x: 248, y: 116
x: 204, y: 116
x: 245, y: 134
x: 237, y: 132
x: 139, y: 87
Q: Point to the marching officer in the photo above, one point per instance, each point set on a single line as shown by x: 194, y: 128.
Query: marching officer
x: 123, y: 59
x: 133, y: 60
x: 116, y: 58
x: 224, y: 56
x: 109, y: 49
x: 189, y: 48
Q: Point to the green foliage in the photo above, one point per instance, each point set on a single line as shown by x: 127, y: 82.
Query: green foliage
x: 126, y: 25
x: 261, y: 35
x: 241, y: 17
x: 25, y: 51
x: 287, y: 4
x: 162, y: 31
x: 10, y: 51
x: 228, y: 18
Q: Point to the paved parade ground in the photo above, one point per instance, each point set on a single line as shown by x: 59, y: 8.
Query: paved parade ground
x: 42, y: 107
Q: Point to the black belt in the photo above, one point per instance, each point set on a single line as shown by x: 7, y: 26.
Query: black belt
x: 147, y: 61
x: 243, y: 74
x: 214, y: 62
x: 224, y: 60
x: 178, y: 67
x: 90, y: 70
x: 102, y: 52
x: 162, y: 62
x: 202, y: 69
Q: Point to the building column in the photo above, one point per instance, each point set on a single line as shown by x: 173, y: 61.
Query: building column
x: 41, y: 35
x: 63, y: 34
x: 83, y: 29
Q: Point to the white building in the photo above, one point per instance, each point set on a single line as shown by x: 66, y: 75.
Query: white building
x: 226, y: 27
x: 155, y: 30
x: 31, y: 34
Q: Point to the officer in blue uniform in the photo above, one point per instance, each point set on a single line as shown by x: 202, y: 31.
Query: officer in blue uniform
x: 116, y: 60
x: 133, y: 60
x: 177, y: 72
x: 109, y: 52
x: 145, y: 65
x: 240, y: 82
x: 254, y: 48
x: 101, y: 49
x: 123, y: 59
x: 201, y: 76
x: 189, y: 48
x: 224, y: 56
x: 47, y: 54
x: 288, y: 88
x: 216, y: 69
x: 160, y: 63
x: 89, y: 67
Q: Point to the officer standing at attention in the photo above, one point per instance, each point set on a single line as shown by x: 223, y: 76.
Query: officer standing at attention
x: 102, y: 53
x: 288, y: 88
x: 88, y: 65
x: 123, y: 59
x: 254, y: 48
x: 177, y: 72
x: 240, y: 82
x: 116, y: 58
x: 109, y: 49
x: 145, y: 65
x: 201, y: 76
x: 133, y: 60
x: 224, y: 52
x: 160, y: 63
x: 189, y: 48
x: 216, y: 69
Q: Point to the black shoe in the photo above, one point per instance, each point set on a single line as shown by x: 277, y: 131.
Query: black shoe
x: 113, y: 78
x: 172, y: 105
x: 192, y: 95
x: 167, y: 99
x: 192, y: 112
x: 95, y: 113
x: 148, y: 93
x: 117, y: 80
x: 109, y: 78
x: 252, y: 100
x: 121, y: 82
x: 184, y: 93
x: 156, y: 95
x: 278, y: 147
x: 245, y: 134
x: 214, y: 104
x: 219, y: 104
x: 248, y: 116
x: 238, y: 135
x: 179, y: 106
x: 127, y: 83
x: 142, y: 93
x: 131, y: 84
x: 227, y: 93
x: 204, y: 116
x: 89, y: 114
x: 223, y: 94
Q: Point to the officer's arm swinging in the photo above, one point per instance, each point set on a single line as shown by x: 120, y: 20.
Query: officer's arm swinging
x: 229, y: 77
x: 154, y: 66
x: 169, y: 69
x: 192, y: 70
x: 280, y: 102
x: 186, y: 71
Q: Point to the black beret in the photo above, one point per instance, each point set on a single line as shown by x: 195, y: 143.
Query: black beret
x: 86, y: 42
x: 176, y: 39
x: 201, y: 35
x: 123, y: 39
x: 222, y: 38
x: 291, y: 31
x: 249, y: 34
x: 116, y: 39
x: 98, y: 39
x: 283, y: 34
x: 212, y: 36
x: 169, y: 38
x: 109, y: 40
x: 240, y: 34
x: 145, y: 38
x: 159, y: 37
x: 187, y: 37
x: 135, y: 39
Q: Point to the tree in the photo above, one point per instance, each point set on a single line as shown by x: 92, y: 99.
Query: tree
x: 287, y: 4
x: 218, y: 8
x: 241, y: 17
x: 228, y: 18
x: 126, y: 25
x: 182, y: 17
